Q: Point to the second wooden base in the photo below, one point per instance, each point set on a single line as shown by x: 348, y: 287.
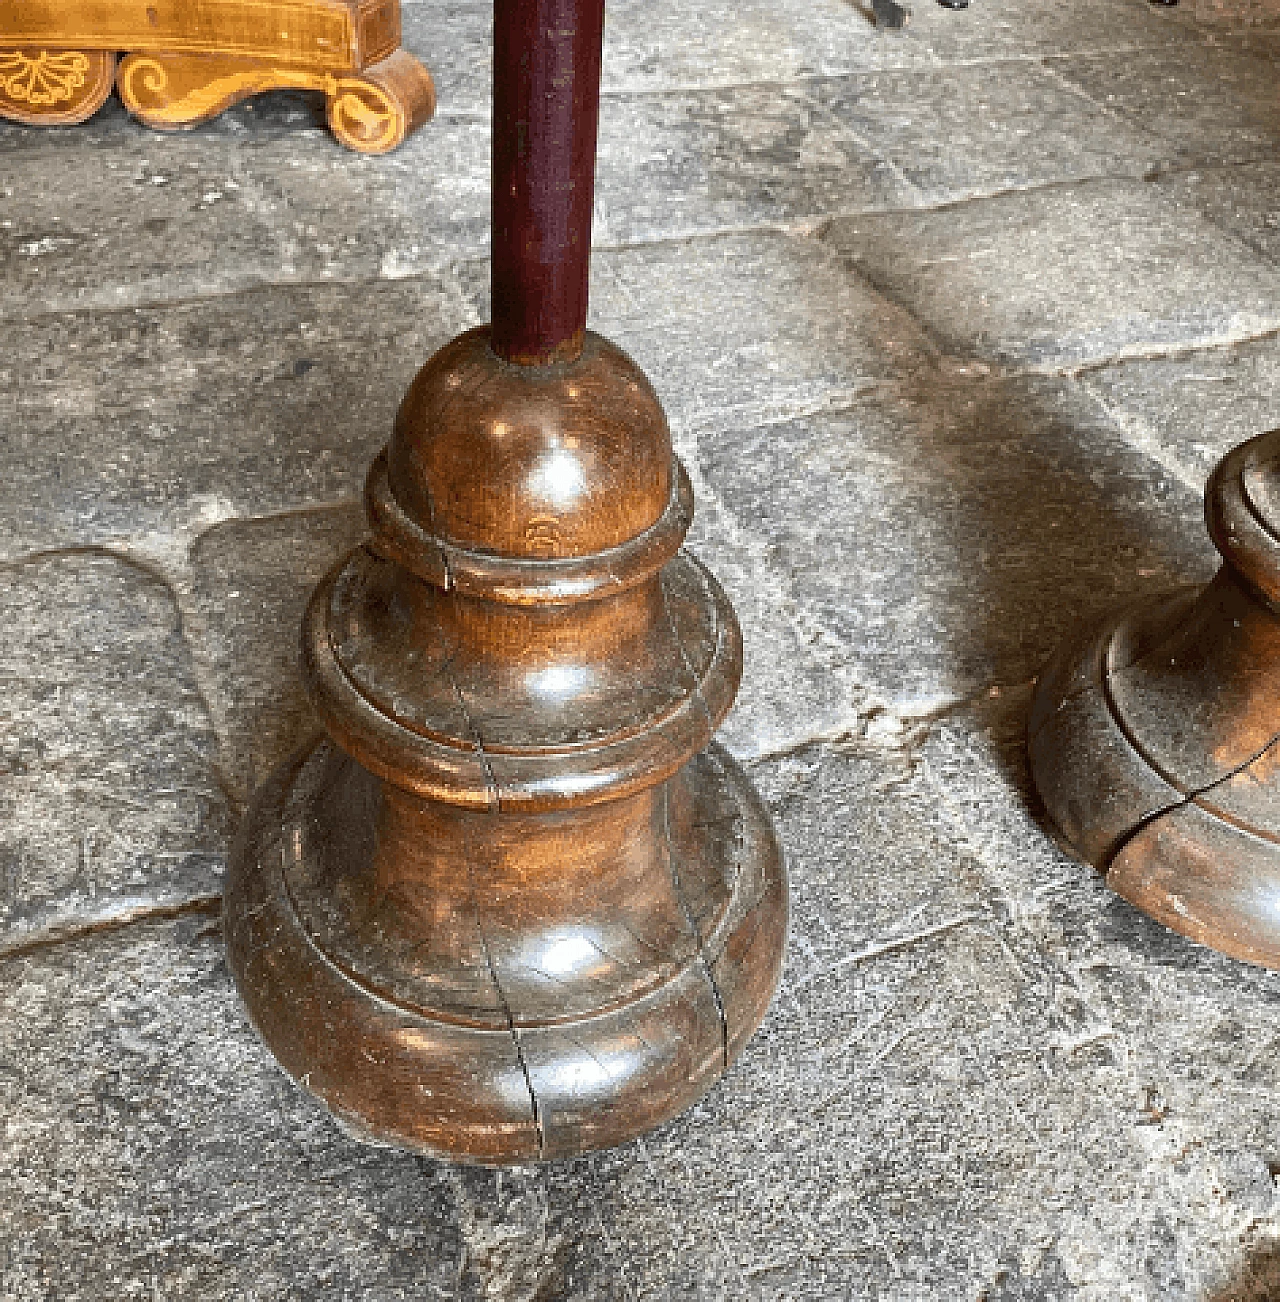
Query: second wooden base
x: 1155, y: 738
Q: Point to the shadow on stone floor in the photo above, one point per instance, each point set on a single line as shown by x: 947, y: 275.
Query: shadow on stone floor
x: 541, y: 1233
x: 1048, y: 518
x: 1103, y: 529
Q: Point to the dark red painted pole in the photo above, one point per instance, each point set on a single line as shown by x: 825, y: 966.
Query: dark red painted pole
x: 546, y: 106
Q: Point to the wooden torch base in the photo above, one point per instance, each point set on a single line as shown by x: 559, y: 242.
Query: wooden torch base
x: 518, y: 906
x: 1155, y: 738
x: 446, y: 1020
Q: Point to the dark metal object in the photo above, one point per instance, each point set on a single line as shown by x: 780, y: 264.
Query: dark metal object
x: 516, y: 905
x: 890, y: 14
x: 1155, y: 740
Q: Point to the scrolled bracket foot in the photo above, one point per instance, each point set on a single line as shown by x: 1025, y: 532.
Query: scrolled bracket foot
x: 372, y: 111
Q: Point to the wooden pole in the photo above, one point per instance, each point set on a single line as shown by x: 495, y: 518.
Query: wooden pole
x: 545, y: 114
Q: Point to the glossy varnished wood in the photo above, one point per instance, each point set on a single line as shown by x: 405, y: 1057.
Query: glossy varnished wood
x: 505, y: 990
x: 516, y: 903
x: 519, y: 909
x: 1155, y: 739
x: 185, y: 62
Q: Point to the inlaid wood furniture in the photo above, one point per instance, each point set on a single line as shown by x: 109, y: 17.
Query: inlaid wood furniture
x: 516, y: 904
x: 1155, y: 738
x: 185, y: 61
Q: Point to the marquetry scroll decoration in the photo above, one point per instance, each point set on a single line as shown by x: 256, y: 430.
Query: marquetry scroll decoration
x: 371, y: 113
x: 182, y: 66
x: 57, y: 87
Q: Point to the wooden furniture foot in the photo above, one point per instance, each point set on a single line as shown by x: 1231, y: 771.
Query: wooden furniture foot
x: 184, y: 63
x: 1155, y: 738
x: 372, y: 111
x: 516, y: 904
x: 48, y: 87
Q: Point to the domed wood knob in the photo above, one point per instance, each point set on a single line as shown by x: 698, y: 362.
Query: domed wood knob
x: 1155, y: 738
x: 516, y: 904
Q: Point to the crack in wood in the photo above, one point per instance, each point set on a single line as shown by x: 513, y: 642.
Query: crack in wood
x: 693, y: 926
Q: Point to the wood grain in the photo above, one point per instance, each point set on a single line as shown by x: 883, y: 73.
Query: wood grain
x: 1155, y: 738
x: 185, y: 63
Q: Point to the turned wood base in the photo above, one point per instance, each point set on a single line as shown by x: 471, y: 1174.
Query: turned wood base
x: 183, y: 65
x: 441, y: 1017
x: 516, y: 906
x: 1155, y: 739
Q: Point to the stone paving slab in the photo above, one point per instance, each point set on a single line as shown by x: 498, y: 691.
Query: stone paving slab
x: 1033, y: 505
x: 454, y: 38
x: 1190, y: 1212
x: 1187, y: 412
x: 798, y: 681
x: 661, y: 43
x: 158, y: 422
x: 997, y: 33
x: 159, y: 1153
x: 675, y: 165
x: 1256, y: 19
x: 1057, y: 278
x: 1210, y: 100
x: 109, y: 799
x: 954, y: 132
x: 247, y: 588
x: 1241, y: 198
x: 142, y: 218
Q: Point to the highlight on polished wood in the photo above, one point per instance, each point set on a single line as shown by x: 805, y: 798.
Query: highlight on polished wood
x: 1155, y: 738
x: 181, y: 64
x: 516, y: 903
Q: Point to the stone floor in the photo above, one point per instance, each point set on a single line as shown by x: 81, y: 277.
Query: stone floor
x: 951, y: 324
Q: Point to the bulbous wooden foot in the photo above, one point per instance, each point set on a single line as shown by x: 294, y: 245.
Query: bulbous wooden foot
x: 1155, y: 739
x: 517, y: 907
x: 54, y: 87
